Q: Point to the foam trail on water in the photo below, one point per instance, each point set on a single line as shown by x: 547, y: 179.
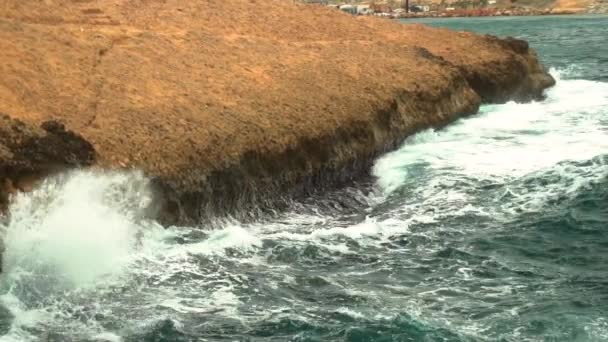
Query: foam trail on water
x: 510, y: 140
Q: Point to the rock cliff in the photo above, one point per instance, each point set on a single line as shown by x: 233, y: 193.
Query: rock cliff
x: 229, y: 102
x: 28, y: 153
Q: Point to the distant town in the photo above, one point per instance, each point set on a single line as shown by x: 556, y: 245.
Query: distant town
x: 401, y: 9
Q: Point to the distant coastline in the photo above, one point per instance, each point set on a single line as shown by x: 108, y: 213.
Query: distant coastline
x: 491, y: 8
x: 495, y: 12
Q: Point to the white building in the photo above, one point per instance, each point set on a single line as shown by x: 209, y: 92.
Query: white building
x: 349, y: 9
x: 364, y: 10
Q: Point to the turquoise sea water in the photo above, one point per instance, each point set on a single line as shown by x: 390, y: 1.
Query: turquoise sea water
x: 578, y: 44
x: 494, y: 228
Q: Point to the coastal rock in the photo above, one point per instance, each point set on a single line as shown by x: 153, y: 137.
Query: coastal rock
x: 28, y: 153
x: 229, y: 103
x: 520, y: 80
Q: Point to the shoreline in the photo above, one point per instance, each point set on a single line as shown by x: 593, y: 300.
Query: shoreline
x: 265, y: 109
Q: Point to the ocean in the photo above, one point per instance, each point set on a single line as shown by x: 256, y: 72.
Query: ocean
x: 494, y: 228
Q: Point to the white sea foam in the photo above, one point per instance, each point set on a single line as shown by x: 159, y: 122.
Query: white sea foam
x: 78, y: 238
x: 507, y: 141
x: 69, y: 236
x: 349, y: 312
x: 75, y: 228
x: 232, y: 236
x: 107, y: 337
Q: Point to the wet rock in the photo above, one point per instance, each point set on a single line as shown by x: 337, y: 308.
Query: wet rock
x: 6, y: 320
x: 518, y: 45
x: 28, y: 153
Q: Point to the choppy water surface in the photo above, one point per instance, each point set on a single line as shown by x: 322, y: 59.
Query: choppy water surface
x: 576, y: 43
x: 492, y: 229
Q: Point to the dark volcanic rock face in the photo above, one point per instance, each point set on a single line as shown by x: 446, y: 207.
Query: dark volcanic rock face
x: 521, y: 79
x: 28, y: 153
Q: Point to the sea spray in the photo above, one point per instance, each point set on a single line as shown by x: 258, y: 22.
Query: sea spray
x: 73, y: 232
x: 77, y: 227
x: 82, y: 238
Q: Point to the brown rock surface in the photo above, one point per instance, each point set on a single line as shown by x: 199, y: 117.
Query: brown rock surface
x: 224, y: 101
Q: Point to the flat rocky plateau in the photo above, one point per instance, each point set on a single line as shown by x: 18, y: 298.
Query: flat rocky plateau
x: 227, y: 103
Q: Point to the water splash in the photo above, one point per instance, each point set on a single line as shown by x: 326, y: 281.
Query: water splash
x: 76, y: 228
x: 533, y: 137
x: 74, y: 233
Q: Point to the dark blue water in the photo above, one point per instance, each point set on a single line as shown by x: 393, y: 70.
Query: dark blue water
x: 492, y: 229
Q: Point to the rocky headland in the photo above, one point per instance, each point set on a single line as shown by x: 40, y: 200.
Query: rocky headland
x: 228, y: 103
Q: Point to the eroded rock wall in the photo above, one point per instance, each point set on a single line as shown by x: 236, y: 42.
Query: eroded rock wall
x: 28, y: 153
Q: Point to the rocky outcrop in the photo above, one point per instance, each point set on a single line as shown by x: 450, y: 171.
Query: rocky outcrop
x: 227, y: 103
x: 264, y: 179
x: 28, y: 153
x: 513, y: 80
